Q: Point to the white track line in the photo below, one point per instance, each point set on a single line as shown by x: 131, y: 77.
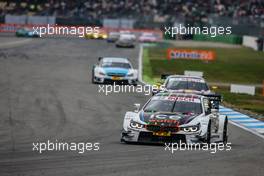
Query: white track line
x: 247, y: 129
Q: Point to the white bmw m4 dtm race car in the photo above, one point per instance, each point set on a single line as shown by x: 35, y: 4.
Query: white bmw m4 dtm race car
x: 183, y: 83
x: 174, y: 117
x: 114, y: 69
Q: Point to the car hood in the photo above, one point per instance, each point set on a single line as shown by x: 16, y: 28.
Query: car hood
x: 181, y: 118
x: 147, y: 38
x: 116, y: 70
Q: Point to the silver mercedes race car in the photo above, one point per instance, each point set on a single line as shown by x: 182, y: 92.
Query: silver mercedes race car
x: 175, y: 117
x: 114, y: 69
x: 126, y: 41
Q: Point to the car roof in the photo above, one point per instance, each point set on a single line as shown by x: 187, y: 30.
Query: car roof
x: 127, y: 35
x: 115, y: 59
x: 185, y: 76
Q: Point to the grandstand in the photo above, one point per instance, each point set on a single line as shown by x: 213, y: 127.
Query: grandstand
x: 160, y: 10
x: 246, y: 17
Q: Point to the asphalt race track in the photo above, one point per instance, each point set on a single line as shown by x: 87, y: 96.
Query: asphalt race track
x: 46, y: 94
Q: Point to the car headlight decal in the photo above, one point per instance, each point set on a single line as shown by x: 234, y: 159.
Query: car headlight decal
x: 194, y: 128
x: 136, y: 125
x: 130, y: 74
x: 102, y: 73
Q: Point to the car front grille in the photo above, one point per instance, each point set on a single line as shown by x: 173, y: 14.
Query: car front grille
x: 116, y: 74
x: 148, y: 137
x: 157, y: 128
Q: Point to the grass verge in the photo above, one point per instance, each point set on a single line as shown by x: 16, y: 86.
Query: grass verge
x: 236, y: 65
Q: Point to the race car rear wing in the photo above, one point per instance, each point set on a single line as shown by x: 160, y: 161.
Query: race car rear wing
x: 215, y: 100
x: 164, y: 76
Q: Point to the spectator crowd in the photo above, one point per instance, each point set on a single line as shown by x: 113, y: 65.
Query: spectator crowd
x: 158, y: 10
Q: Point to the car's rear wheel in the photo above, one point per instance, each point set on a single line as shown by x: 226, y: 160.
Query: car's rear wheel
x: 225, y: 136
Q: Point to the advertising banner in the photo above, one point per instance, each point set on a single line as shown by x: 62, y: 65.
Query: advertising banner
x: 207, y: 55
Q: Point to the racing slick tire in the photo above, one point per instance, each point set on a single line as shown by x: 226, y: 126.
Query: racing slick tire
x: 134, y: 83
x: 122, y: 140
x: 93, y: 77
x: 225, y: 132
x: 208, y: 134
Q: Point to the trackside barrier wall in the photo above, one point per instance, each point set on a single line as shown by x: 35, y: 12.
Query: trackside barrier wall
x: 13, y: 28
x: 13, y: 19
x: 251, y: 42
x: 236, y: 88
x: 118, y: 23
x: 193, y: 73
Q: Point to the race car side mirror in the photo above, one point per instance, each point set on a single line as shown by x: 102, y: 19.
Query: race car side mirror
x: 164, y: 76
x: 137, y: 106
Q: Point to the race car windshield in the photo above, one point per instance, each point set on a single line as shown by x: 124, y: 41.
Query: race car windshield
x: 173, y: 106
x: 126, y: 37
x: 187, y: 107
x: 177, y: 85
x: 159, y: 106
x: 148, y: 35
x: 116, y: 64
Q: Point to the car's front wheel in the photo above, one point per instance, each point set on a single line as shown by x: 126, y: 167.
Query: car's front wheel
x: 134, y: 83
x: 225, y: 133
x: 208, y: 134
x: 93, y: 77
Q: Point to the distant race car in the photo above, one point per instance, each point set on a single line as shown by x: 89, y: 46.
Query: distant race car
x: 126, y: 41
x: 113, y: 36
x: 114, y: 69
x: 183, y: 83
x: 148, y: 37
x: 132, y: 35
x: 173, y: 117
x: 96, y: 35
x: 26, y: 32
